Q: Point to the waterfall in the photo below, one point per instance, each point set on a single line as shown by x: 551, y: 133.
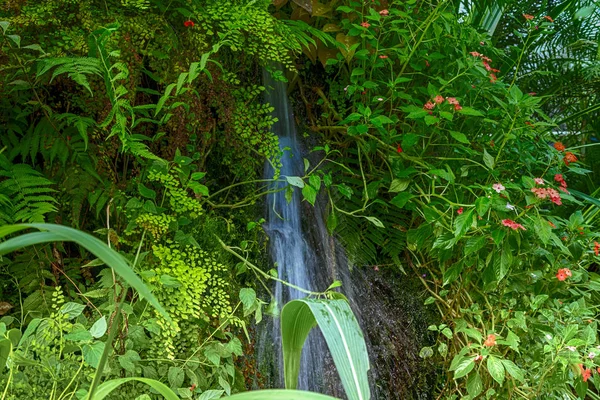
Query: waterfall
x: 290, y: 252
x: 305, y: 255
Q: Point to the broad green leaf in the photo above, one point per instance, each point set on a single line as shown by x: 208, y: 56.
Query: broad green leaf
x: 342, y: 334
x: 99, y: 328
x: 128, y: 360
x: 5, y: 349
x: 92, y: 353
x: 496, y: 369
x: 176, y: 377
x: 59, y: 233
x: 80, y: 335
x: 211, y: 394
x: 310, y: 194
x: 399, y: 185
x: 295, y: 181
x: 482, y: 205
x: 513, y: 370
x: 488, y: 159
x: 107, y: 387
x: 462, y: 223
x: 426, y: 352
x: 247, y: 297
x: 470, y: 111
x: 72, y: 310
x: 401, y: 199
x: 474, y: 385
x: 464, y: 367
x: 460, y: 137
x: 279, y: 394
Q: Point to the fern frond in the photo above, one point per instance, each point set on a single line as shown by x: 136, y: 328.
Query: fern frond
x: 25, y: 193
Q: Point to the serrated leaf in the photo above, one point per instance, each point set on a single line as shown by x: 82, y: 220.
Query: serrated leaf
x: 92, y: 353
x: 247, y: 297
x: 513, y: 370
x: 176, y: 377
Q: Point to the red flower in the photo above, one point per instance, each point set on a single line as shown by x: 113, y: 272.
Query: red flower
x: 460, y: 211
x: 452, y: 100
x: 569, y: 158
x: 490, y: 341
x: 549, y: 18
x: 457, y: 107
x: 384, y: 13
x: 426, y: 63
x: 438, y: 99
x: 365, y: 24
x: 597, y: 248
x: 188, y: 23
x: 399, y: 149
x: 585, y: 373
x: 486, y: 59
x: 563, y: 273
x: 512, y: 224
x: 559, y: 146
x: 479, y: 357
x: 475, y: 54
x: 429, y: 105
x: 493, y: 78
x: 558, y: 177
x: 528, y: 17
x: 383, y: 56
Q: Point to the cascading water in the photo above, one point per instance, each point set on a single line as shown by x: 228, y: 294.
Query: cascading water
x: 294, y: 259
x: 306, y: 256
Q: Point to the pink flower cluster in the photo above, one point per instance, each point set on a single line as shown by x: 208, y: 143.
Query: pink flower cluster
x: 512, y: 224
x: 543, y: 193
x: 439, y: 100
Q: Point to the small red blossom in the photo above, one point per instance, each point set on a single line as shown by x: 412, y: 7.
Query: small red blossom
x: 365, y: 24
x: 552, y: 224
x: 585, y: 372
x: 427, y: 63
x: 193, y: 387
x: 563, y: 273
x: 457, y: 107
x: 528, y: 123
x: 384, y: 13
x: 383, y: 56
x: 475, y: 54
x: 538, y: 181
x: 460, y: 211
x: 597, y: 248
x: 532, y: 93
x: 487, y: 66
x: 558, y: 178
x: 512, y: 224
x: 399, y: 149
x: 438, y: 99
x: 492, y: 143
x: 549, y: 18
x: 569, y: 158
x: 528, y: 17
x: 364, y: 92
x: 486, y: 59
x: 376, y: 268
x: 429, y: 106
x: 559, y: 146
x: 188, y: 23
x: 479, y: 357
x: 490, y: 341
x: 493, y: 78
x: 452, y: 100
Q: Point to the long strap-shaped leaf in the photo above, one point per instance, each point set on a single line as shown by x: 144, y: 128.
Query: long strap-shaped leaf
x: 342, y: 334
x: 107, y: 387
x: 56, y: 233
x: 280, y: 394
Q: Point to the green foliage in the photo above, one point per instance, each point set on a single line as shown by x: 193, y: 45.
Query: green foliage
x: 342, y: 333
x: 26, y: 193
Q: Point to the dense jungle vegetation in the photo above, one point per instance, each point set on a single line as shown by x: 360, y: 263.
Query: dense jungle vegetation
x: 453, y: 145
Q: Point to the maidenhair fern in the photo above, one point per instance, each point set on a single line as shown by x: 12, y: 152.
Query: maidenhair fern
x: 26, y: 193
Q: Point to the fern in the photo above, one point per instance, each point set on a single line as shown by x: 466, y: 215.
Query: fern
x: 26, y: 193
x: 75, y: 67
